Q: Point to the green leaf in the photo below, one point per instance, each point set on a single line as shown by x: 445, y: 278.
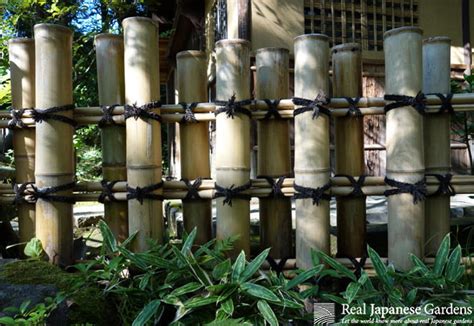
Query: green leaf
x: 7, y: 321
x: 109, y: 241
x: 411, y: 296
x: 199, y: 301
x: 419, y: 263
x: 147, y: 313
x: 267, y: 312
x: 259, y: 291
x: 238, y: 267
x: 379, y: 266
x: 228, y: 306
x: 442, y: 255
x: 337, y: 266
x: 221, y: 269
x: 34, y: 248
x: 188, y: 243
x: 187, y: 288
x: 304, y: 276
x: 453, y: 264
x: 254, y: 265
x: 351, y: 291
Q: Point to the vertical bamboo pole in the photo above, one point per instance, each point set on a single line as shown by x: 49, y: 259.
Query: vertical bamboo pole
x: 436, y: 79
x: 272, y: 82
x: 191, y: 66
x: 54, y: 163
x: 349, y: 149
x: 22, y: 72
x: 111, y: 83
x: 142, y: 85
x: 404, y: 142
x: 311, y: 146
x: 233, y: 140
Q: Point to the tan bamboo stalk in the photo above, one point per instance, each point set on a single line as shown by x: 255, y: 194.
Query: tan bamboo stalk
x: 111, y: 84
x: 349, y: 149
x: 142, y: 85
x: 22, y: 72
x: 436, y: 79
x: 233, y: 140
x: 54, y: 163
x: 311, y: 146
x: 405, y: 158
x: 194, y: 142
x: 274, y: 159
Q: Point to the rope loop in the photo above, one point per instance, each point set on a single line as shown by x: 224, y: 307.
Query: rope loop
x: 417, y: 190
x: 107, y: 192
x: 231, y: 107
x: 142, y: 193
x: 107, y: 115
x: 23, y: 194
x: 318, y: 105
x: 143, y: 111
x: 40, y: 115
x: 193, y: 188
x: 445, y: 186
x: 188, y: 116
x: 16, y: 121
x: 232, y: 192
x: 272, y: 109
x: 275, y: 185
x: 355, y: 184
x: 446, y: 105
x: 316, y: 194
x: 354, y: 110
x: 418, y: 102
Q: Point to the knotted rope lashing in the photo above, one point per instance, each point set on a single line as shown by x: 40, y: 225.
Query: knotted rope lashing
x: 107, y: 115
x: 316, y: 194
x: 318, y: 105
x: 232, y: 192
x: 275, y: 185
x: 272, y: 109
x: 355, y: 184
x: 107, y: 192
x: 46, y: 194
x: 445, y: 187
x: 446, y: 105
x: 358, y: 264
x: 17, y: 115
x: 143, y: 111
x: 40, y: 115
x: 277, y: 267
x: 418, y: 102
x: 353, y: 110
x: 417, y: 190
x: 193, y: 188
x: 188, y: 112
x: 142, y: 193
x: 231, y: 107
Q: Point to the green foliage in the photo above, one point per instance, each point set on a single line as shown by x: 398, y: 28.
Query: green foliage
x: 183, y: 284
x: 27, y: 314
x: 34, y: 249
x: 421, y: 286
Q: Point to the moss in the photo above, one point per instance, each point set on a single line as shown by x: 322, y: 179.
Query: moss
x: 89, y: 305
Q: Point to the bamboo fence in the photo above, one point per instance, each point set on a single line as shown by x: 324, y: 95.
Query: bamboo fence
x: 131, y: 118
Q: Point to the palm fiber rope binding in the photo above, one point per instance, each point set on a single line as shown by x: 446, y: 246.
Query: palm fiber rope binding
x: 107, y: 115
x: 354, y: 110
x: 446, y: 105
x: 445, y: 187
x: 193, y: 188
x: 189, y: 112
x: 232, y: 192
x: 355, y: 184
x: 417, y: 190
x: 143, y: 111
x: 142, y: 193
x: 316, y: 194
x: 40, y: 115
x: 46, y: 194
x: 272, y: 109
x: 107, y: 191
x: 17, y: 115
x: 275, y: 185
x: 418, y: 102
x: 231, y: 107
x: 318, y: 105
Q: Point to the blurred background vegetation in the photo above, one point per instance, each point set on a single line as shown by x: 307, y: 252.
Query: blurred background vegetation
x: 86, y: 18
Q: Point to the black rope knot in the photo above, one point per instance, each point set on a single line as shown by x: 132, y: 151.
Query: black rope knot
x: 272, y: 109
x: 16, y: 121
x: 21, y: 191
x: 445, y: 187
x: 277, y: 267
x: 143, y: 111
x: 231, y: 107
x: 355, y: 184
x: 46, y: 194
x: 107, y: 115
x: 317, y: 194
x: 232, y: 192
x: 354, y: 110
x: 40, y: 115
x: 318, y: 105
x: 189, y: 112
x: 446, y: 105
x: 141, y: 193
x: 418, y: 102
x: 417, y: 190
x: 107, y: 192
x: 193, y: 188
x: 358, y: 264
x: 275, y: 185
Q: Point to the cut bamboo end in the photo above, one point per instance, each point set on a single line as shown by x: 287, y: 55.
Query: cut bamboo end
x: 403, y: 29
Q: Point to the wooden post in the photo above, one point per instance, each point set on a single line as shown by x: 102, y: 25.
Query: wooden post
x: 312, y: 166
x: 274, y: 158
x: 194, y: 141
x: 233, y: 141
x: 54, y: 165
x: 436, y: 79
x: 404, y: 143
x: 22, y: 72
x: 111, y: 84
x: 349, y: 149
x: 142, y: 85
x: 238, y: 19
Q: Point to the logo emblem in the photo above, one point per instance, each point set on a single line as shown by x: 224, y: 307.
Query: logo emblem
x: 324, y: 313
